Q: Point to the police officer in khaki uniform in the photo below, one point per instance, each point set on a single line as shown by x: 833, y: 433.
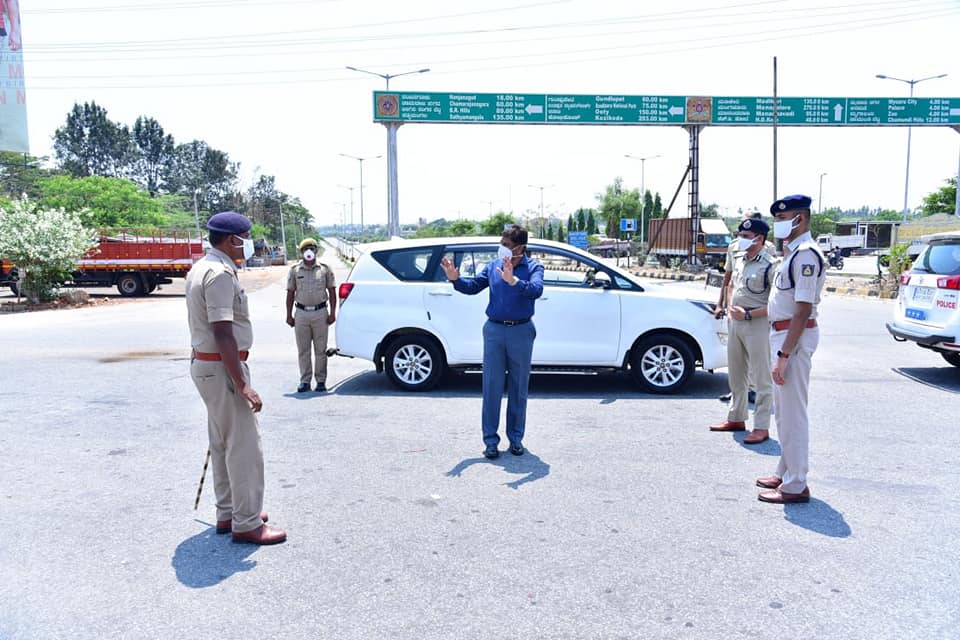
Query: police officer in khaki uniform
x: 794, y: 335
x: 310, y: 287
x: 748, y: 341
x: 733, y: 250
x: 221, y: 337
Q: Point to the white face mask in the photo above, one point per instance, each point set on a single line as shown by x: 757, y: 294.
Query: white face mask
x: 783, y: 228
x: 248, y: 249
x: 504, y: 253
x: 744, y: 244
x: 309, y: 255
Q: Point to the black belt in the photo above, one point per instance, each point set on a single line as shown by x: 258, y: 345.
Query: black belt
x: 313, y: 308
x: 510, y: 323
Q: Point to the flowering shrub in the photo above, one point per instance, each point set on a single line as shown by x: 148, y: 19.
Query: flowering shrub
x: 44, y: 244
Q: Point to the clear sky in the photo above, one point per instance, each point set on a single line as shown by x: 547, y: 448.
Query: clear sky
x: 265, y: 81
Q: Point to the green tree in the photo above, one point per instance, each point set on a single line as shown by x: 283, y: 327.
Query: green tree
x: 561, y: 237
x: 19, y: 174
x: 821, y: 223
x: 201, y: 168
x: 581, y: 220
x: 90, y: 144
x: 887, y: 214
x: 710, y: 211
x: 431, y: 231
x: 570, y: 223
x: 102, y: 202
x: 494, y: 226
x: 617, y: 202
x: 657, y: 207
x: 44, y: 244
x: 549, y: 233
x: 647, y: 205
x: 943, y: 200
x: 590, y: 226
x: 154, y: 165
x: 463, y: 228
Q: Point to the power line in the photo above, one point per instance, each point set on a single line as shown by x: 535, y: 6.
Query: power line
x: 716, y: 41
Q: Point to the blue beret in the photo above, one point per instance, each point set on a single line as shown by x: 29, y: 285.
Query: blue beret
x: 229, y: 222
x: 755, y: 225
x: 791, y: 203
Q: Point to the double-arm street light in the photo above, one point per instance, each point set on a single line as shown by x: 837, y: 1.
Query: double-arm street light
x: 643, y: 189
x: 820, y: 197
x: 359, y: 159
x: 906, y: 185
x: 388, y: 76
x: 541, y: 187
x: 350, y: 189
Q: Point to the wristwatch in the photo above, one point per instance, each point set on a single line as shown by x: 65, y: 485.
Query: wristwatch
x: 747, y: 315
x: 781, y: 354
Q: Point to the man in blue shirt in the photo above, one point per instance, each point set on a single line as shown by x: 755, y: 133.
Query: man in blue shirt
x: 515, y: 281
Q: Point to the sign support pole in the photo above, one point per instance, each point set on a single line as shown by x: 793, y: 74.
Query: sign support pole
x: 693, y: 204
x: 393, y: 195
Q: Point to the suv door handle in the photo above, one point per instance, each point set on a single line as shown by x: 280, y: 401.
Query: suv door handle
x: 440, y: 292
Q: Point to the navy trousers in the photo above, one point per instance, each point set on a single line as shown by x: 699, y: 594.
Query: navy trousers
x: 507, y: 354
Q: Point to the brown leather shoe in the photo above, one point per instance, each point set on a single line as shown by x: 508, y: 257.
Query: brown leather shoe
x: 770, y: 482
x: 264, y: 534
x: 757, y: 436
x: 225, y: 526
x: 727, y: 425
x: 782, y: 497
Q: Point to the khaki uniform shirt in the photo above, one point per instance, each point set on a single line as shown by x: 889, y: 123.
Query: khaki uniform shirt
x: 752, y: 280
x: 214, y: 294
x: 733, y: 252
x: 310, y: 284
x: 809, y: 274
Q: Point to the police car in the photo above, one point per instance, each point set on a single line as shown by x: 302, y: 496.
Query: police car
x: 926, y: 311
x: 399, y: 311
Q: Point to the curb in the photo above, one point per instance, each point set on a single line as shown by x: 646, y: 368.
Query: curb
x: 863, y: 293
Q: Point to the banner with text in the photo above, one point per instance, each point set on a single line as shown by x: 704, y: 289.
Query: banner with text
x: 13, y: 95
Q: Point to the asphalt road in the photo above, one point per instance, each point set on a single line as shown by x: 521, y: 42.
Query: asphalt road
x: 627, y: 519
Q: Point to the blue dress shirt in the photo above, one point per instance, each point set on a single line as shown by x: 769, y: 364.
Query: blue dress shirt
x: 507, y: 302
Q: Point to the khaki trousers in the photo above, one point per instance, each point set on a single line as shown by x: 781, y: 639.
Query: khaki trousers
x: 748, y: 360
x: 235, y: 449
x: 311, y: 328
x: 790, y: 409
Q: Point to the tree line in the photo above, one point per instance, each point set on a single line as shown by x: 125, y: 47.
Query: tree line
x: 140, y: 176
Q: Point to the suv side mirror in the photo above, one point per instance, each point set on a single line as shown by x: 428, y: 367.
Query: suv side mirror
x: 601, y: 281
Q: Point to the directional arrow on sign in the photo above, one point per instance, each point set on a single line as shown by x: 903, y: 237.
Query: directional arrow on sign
x: 838, y: 113
x: 534, y: 108
x: 675, y: 111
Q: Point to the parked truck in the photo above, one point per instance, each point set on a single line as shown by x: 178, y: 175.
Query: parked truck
x: 671, y: 238
x: 846, y: 244
x: 135, y: 262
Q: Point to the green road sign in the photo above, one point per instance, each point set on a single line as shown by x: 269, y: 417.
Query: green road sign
x: 538, y: 108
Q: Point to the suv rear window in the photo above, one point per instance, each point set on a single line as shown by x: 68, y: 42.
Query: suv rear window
x: 406, y: 264
x: 941, y: 259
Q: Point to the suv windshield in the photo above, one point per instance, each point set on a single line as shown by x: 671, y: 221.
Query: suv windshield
x: 940, y: 258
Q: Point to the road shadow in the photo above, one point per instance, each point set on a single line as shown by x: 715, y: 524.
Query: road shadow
x: 819, y: 517
x: 770, y: 447
x: 529, y: 466
x: 606, y: 388
x: 945, y: 378
x: 207, y: 559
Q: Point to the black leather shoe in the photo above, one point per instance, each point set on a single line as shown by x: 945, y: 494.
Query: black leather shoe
x: 725, y: 397
x: 491, y: 453
x: 517, y: 449
x: 303, y: 388
x: 321, y: 387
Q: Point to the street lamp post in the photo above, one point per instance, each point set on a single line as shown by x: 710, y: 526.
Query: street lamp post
x: 541, y: 187
x: 643, y: 190
x: 196, y: 214
x: 343, y: 186
x: 393, y: 195
x: 906, y: 185
x: 820, y: 197
x: 360, y: 160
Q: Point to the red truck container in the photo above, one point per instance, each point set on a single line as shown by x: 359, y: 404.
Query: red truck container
x: 136, y: 262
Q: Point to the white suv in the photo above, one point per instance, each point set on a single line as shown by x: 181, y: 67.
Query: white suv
x: 398, y: 310
x: 926, y: 311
